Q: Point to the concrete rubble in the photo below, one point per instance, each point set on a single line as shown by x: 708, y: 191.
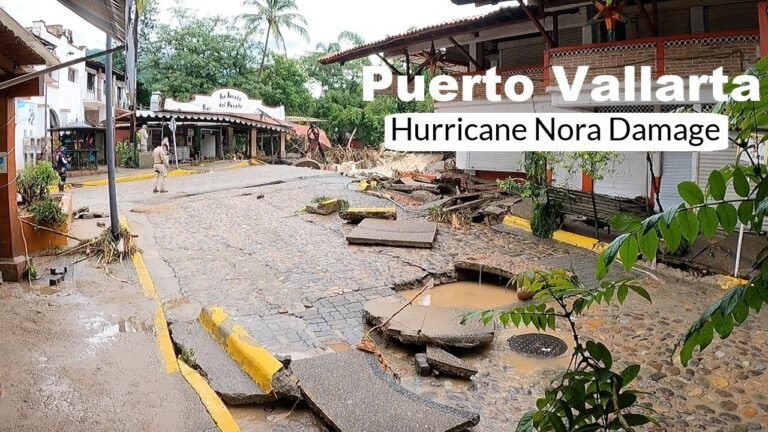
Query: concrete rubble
x: 324, y: 208
x: 357, y: 214
x: 352, y: 392
x: 428, y: 325
x: 417, y: 234
x: 224, y: 375
x: 448, y: 364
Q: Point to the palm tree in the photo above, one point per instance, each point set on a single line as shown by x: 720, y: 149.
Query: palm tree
x: 279, y: 15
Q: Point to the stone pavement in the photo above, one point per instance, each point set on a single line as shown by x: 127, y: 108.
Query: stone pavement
x: 292, y: 280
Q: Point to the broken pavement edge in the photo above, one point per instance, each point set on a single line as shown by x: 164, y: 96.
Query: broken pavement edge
x: 210, y: 400
x: 256, y: 361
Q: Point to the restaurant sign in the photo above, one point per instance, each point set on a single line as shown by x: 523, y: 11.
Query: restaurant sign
x: 226, y: 101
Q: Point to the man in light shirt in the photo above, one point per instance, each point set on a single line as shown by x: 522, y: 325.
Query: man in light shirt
x: 160, y: 161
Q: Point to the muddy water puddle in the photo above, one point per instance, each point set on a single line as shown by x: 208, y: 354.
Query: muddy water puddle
x: 464, y: 294
x: 274, y: 417
x: 106, y: 331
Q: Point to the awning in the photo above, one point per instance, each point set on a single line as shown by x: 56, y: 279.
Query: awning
x: 109, y: 16
x: 396, y: 43
x: 240, y: 119
x: 20, y: 48
x: 76, y: 125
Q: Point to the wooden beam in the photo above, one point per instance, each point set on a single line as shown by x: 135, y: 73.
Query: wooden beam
x: 407, y: 63
x: 647, y: 18
x: 538, y: 25
x: 465, y: 53
x: 389, y: 65
x: 556, y: 28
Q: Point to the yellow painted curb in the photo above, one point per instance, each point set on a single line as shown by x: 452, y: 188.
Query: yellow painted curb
x: 216, y: 408
x: 213, y: 404
x: 371, y: 210
x: 55, y: 188
x: 173, y: 173
x: 726, y: 282
x: 570, y: 238
x: 255, y: 361
x: 164, y: 344
x: 244, y: 164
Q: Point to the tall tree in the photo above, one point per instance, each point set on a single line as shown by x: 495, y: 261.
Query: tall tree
x: 279, y: 15
x: 198, y: 55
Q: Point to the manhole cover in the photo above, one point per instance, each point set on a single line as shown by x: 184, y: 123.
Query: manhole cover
x: 538, y: 345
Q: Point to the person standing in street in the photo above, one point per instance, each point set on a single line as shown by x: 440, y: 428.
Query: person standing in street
x: 61, y: 166
x: 160, y: 161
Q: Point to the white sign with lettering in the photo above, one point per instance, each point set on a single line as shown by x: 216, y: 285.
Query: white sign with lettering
x: 226, y: 101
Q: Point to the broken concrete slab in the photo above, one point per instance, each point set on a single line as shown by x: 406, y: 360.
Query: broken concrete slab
x: 448, y: 364
x: 394, y: 233
x: 352, y: 392
x: 224, y: 375
x: 357, y: 214
x: 497, y: 264
x: 428, y: 325
x: 324, y: 208
x: 422, y: 366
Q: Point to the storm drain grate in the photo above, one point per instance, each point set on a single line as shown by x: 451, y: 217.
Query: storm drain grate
x: 538, y: 345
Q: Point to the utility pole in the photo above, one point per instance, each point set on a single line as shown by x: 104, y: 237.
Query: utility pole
x: 110, y: 146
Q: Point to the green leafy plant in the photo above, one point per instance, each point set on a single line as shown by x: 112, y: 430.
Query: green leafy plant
x: 546, y: 218
x: 591, y: 395
x: 187, y: 355
x: 704, y: 211
x: 48, y: 212
x: 33, y: 182
x: 126, y: 155
x: 438, y: 214
x: 534, y: 186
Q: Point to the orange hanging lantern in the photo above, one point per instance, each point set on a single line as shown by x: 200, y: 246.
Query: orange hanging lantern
x: 610, y: 13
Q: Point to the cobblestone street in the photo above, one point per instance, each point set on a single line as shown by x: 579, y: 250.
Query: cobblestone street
x: 293, y: 282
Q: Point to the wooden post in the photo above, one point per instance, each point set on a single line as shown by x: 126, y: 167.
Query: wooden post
x: 12, y: 256
x: 282, y: 145
x: 535, y: 21
x: 762, y: 17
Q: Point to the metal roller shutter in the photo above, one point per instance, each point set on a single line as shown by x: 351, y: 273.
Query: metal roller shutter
x: 676, y: 167
x: 493, y: 161
x: 522, y: 52
x: 630, y: 177
x: 735, y: 16
x: 569, y: 36
x: 671, y: 22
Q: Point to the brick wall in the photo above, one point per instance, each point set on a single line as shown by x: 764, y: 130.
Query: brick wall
x: 678, y: 56
x: 535, y: 73
x: 702, y: 56
x: 605, y: 60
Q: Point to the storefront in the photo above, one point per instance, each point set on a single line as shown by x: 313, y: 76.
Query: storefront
x: 225, y: 124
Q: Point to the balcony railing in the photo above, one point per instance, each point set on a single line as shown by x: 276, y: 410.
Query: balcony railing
x: 683, y: 55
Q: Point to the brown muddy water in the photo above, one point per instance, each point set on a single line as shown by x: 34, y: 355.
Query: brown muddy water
x: 465, y: 294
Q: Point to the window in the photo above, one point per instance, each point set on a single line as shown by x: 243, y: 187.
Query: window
x: 72, y: 75
x: 91, y: 83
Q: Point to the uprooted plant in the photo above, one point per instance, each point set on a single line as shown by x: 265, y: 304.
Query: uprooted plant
x: 591, y: 395
x: 108, y: 250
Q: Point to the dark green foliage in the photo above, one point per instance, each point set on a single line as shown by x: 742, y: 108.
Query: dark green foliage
x: 713, y: 210
x: 126, y: 155
x: 546, y: 218
x: 33, y: 182
x: 48, y: 212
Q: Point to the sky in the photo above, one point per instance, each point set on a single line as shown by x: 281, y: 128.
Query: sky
x: 372, y: 19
